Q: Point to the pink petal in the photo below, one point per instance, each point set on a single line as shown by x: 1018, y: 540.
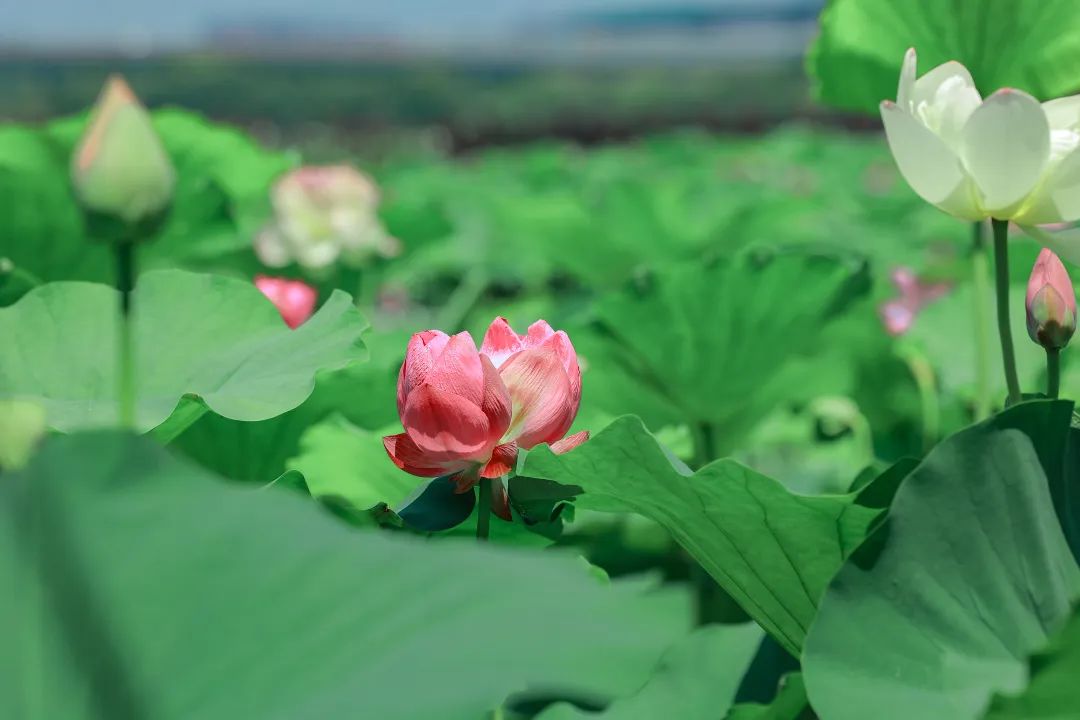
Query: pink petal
x: 410, y: 458
x: 541, y: 395
x: 569, y: 443
x: 503, y: 460
x: 419, y: 360
x: 294, y: 299
x: 539, y: 331
x: 500, y: 500
x: 560, y: 342
x: 500, y: 341
x: 457, y: 369
x: 897, y: 317
x: 495, y: 402
x: 446, y: 425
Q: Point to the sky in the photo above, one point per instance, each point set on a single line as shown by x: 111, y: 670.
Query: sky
x: 164, y: 23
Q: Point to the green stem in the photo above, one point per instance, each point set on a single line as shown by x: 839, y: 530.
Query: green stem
x: 704, y: 444
x: 483, y: 511
x: 125, y: 283
x: 980, y: 275
x: 1053, y: 373
x: 923, y: 373
x: 1001, y: 288
x: 459, y: 305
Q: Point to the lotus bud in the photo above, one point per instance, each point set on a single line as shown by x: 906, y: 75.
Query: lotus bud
x: 294, y: 299
x: 1051, y: 303
x: 120, y: 170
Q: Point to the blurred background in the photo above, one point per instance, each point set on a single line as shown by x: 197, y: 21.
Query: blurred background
x: 477, y: 71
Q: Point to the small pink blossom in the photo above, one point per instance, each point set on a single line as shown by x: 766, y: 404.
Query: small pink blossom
x: 898, y: 314
x: 294, y: 299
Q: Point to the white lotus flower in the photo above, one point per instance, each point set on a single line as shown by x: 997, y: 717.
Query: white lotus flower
x: 323, y: 214
x: 1007, y: 157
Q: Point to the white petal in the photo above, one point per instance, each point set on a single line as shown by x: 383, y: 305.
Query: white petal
x: 1066, y: 243
x: 950, y: 73
x: 1057, y: 199
x: 925, y: 161
x: 1063, y: 113
x: 1005, y: 148
x: 905, y: 92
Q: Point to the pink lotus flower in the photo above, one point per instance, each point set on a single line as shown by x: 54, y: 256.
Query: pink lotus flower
x: 1050, y: 302
x: 467, y: 411
x: 898, y: 315
x: 294, y: 299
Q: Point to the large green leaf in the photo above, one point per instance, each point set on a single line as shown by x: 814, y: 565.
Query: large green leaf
x: 712, y: 344
x: 215, y: 337
x: 1052, y: 693
x: 772, y: 550
x: 136, y: 585
x: 695, y: 680
x: 969, y: 574
x: 1030, y: 44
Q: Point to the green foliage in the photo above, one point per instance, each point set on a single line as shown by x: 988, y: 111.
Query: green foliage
x: 220, y: 199
x: 695, y: 680
x: 124, y: 605
x: 213, y: 337
x: 1052, y: 692
x: 967, y: 577
x: 771, y: 550
x: 1033, y: 45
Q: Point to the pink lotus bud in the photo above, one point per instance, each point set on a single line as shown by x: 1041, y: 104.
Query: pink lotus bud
x: 454, y: 407
x: 120, y: 168
x: 323, y: 214
x: 541, y: 371
x: 1051, y: 303
x: 462, y: 413
x: 294, y: 299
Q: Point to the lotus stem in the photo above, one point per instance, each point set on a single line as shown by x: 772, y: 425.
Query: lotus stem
x: 125, y: 283
x: 483, y: 511
x: 1053, y: 373
x: 980, y: 275
x: 1001, y: 287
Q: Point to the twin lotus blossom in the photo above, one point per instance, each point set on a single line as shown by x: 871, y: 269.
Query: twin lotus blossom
x: 120, y: 168
x: 1007, y: 157
x: 898, y: 315
x: 323, y: 214
x: 1051, y: 303
x: 468, y: 411
x: 294, y: 299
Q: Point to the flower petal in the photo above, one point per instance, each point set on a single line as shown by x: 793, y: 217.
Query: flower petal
x: 569, y: 443
x: 1005, y: 148
x: 1065, y: 243
x: 928, y: 165
x: 458, y: 370
x: 410, y: 458
x: 447, y: 426
x: 1063, y: 113
x: 419, y: 360
x: 906, y: 90
x: 541, y: 396
x: 560, y: 343
x: 495, y: 403
x: 1057, y: 199
x: 946, y: 76
x: 500, y: 341
x: 503, y: 460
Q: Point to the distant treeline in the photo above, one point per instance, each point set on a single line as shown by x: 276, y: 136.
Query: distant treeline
x: 475, y: 102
